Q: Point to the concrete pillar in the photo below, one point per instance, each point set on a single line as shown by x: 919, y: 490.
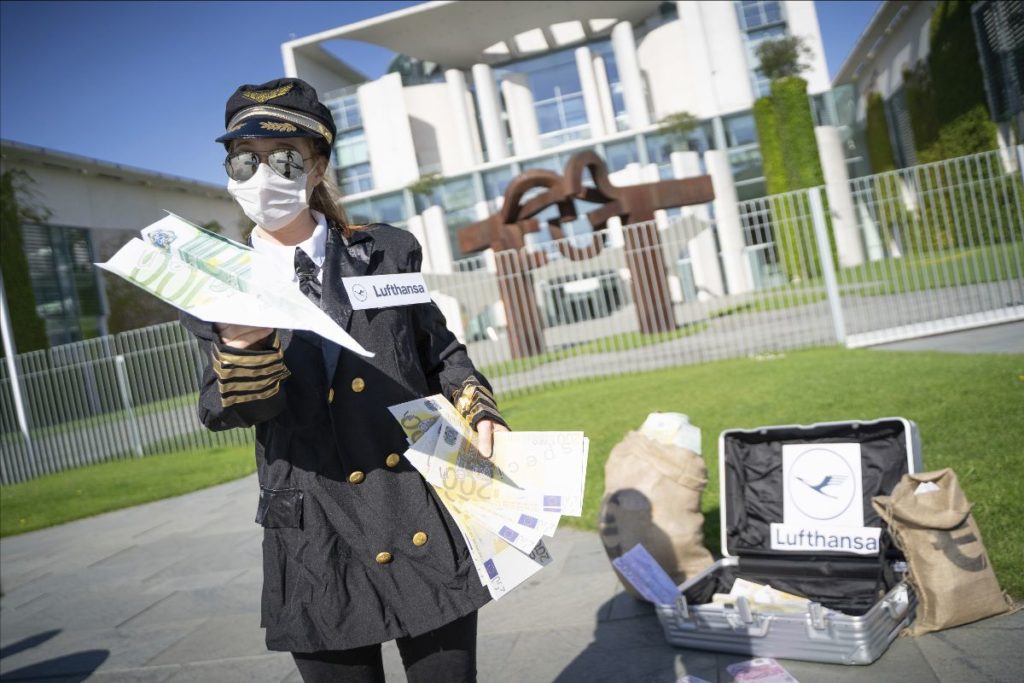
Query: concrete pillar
x: 1005, y: 138
x: 462, y: 123
x: 840, y: 201
x: 490, y: 112
x: 452, y: 312
x: 436, y: 231
x: 698, y: 57
x: 727, y: 219
x: 418, y: 231
x: 389, y: 139
x: 481, y: 210
x: 624, y: 46
x: 707, y: 271
x: 718, y: 129
x: 522, y: 118
x: 613, y: 226
x: 604, y: 95
x: 591, y: 99
x: 687, y: 165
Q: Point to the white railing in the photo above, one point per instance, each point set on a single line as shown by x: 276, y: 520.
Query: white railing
x: 943, y: 249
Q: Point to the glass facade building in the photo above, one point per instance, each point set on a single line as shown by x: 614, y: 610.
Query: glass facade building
x: 559, y: 104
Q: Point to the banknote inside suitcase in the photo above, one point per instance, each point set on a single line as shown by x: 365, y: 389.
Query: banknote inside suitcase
x: 796, y: 515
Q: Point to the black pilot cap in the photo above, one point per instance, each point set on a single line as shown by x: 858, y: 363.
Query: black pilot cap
x: 282, y: 108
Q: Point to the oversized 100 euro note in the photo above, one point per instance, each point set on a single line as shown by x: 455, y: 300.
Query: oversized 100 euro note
x: 219, y: 280
x: 500, y: 565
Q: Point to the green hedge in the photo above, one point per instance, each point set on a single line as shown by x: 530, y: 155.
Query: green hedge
x: 946, y: 94
x: 789, y: 150
x: 796, y: 133
x: 771, y: 147
x: 878, y: 139
x: 29, y: 328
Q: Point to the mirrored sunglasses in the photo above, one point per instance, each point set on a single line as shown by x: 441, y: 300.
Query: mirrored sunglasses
x: 287, y: 163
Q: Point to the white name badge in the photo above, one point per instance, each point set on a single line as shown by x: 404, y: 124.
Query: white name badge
x: 802, y: 538
x: 382, y: 291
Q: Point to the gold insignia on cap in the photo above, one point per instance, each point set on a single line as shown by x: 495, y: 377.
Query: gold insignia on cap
x: 278, y: 127
x: 234, y: 128
x: 262, y: 96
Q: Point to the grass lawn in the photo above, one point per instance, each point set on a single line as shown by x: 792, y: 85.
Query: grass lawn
x: 625, y: 341
x: 968, y: 408
x: 88, y: 491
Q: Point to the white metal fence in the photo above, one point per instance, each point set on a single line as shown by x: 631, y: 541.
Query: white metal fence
x: 126, y: 395
x: 942, y: 249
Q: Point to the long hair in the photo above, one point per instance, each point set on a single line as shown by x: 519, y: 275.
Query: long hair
x: 326, y: 198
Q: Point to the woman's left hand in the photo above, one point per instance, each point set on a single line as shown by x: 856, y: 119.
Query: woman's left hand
x: 486, y: 430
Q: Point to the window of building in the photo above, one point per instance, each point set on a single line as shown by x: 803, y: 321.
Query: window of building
x: 562, y: 118
x: 346, y: 112
x: 64, y: 281
x: 740, y: 130
x: 385, y: 208
x: 760, y: 21
x: 757, y: 13
x: 351, y: 157
x: 355, y: 179
x: 495, y: 183
x: 604, y: 50
x: 620, y: 154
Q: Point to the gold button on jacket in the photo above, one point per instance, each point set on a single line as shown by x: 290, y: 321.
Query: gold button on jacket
x: 356, y: 477
x: 393, y: 460
x: 358, y: 384
x: 330, y: 395
x: 419, y: 538
x: 383, y: 558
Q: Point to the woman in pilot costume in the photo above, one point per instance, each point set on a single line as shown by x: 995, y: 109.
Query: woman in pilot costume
x: 357, y: 550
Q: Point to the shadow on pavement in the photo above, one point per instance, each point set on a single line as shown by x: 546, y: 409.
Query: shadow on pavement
x: 629, y: 645
x: 71, y: 668
x: 27, y: 643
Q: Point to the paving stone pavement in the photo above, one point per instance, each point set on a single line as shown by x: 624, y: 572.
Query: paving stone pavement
x: 169, y: 592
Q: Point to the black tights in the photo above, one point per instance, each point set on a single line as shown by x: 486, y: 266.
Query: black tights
x: 444, y: 655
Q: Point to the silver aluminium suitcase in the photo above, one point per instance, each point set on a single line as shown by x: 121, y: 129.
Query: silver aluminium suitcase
x: 776, y: 482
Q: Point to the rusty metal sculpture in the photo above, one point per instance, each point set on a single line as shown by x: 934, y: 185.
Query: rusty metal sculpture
x: 634, y: 205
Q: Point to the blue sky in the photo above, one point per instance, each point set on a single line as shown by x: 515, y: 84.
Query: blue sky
x: 144, y: 83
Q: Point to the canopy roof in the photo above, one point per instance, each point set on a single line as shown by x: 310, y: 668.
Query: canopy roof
x: 460, y: 34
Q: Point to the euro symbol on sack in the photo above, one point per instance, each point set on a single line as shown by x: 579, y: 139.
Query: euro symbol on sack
x: 950, y: 548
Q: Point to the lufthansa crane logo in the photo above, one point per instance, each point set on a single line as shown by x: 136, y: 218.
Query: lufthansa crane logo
x: 821, y: 484
x: 359, y: 291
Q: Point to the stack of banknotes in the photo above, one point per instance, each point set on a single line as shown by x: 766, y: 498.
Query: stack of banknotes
x: 504, y: 505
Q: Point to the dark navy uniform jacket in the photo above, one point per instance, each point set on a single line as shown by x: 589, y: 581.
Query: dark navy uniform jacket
x: 356, y: 549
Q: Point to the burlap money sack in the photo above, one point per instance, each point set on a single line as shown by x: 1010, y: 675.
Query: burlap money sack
x: 652, y: 497
x: 948, y: 566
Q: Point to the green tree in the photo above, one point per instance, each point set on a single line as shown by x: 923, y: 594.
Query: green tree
x: 18, y: 206
x: 781, y: 57
x: 677, y: 127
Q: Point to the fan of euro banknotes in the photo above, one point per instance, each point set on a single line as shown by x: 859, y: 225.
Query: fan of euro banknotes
x: 504, y: 505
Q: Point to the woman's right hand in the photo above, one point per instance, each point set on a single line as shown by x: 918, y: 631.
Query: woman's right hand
x: 242, y: 336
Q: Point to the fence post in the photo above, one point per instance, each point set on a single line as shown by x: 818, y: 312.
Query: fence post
x: 828, y: 269
x: 126, y: 400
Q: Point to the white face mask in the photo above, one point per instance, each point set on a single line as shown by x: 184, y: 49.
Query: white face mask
x: 270, y: 200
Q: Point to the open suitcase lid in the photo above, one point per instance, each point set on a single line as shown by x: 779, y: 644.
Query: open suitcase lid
x: 805, y: 491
